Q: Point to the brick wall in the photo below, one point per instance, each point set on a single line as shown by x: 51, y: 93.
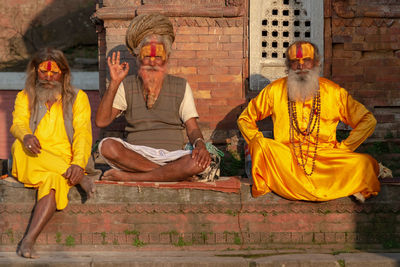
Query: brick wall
x: 151, y: 217
x: 362, y: 40
x: 208, y: 51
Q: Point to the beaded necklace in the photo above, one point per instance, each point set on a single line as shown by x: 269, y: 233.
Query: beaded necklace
x: 314, y: 121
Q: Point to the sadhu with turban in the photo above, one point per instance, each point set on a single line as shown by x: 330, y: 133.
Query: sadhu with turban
x: 157, y: 107
x: 304, y: 161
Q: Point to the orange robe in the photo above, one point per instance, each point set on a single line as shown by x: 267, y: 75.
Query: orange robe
x: 338, y: 172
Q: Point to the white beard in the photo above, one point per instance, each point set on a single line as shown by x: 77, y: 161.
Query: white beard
x: 48, y: 91
x: 302, y: 86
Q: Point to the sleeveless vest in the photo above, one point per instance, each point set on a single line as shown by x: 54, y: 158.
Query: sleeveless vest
x: 160, y: 126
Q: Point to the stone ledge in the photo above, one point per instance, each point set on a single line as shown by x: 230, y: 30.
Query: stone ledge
x: 148, y: 216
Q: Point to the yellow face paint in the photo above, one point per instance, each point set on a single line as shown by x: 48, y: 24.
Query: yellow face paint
x: 49, y: 67
x: 153, y: 50
x: 301, y: 51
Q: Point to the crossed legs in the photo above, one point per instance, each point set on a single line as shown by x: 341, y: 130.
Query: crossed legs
x: 135, y: 167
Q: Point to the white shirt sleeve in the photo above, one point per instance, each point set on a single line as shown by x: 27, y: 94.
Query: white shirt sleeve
x: 119, y: 99
x: 187, y: 110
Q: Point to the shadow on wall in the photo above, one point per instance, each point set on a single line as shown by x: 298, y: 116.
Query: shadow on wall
x: 64, y: 25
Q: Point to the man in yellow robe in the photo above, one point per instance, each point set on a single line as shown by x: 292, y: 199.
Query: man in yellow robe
x: 305, y: 161
x: 44, y: 155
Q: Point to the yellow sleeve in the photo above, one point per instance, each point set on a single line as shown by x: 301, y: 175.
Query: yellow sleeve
x: 82, y: 139
x: 358, y: 117
x: 258, y: 108
x: 21, y: 116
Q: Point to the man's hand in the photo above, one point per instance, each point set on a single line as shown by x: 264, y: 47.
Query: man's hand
x: 74, y: 174
x: 32, y: 144
x: 201, y: 155
x: 117, y: 71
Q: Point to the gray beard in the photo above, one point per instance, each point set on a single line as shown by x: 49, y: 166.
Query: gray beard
x: 48, y: 90
x: 302, y: 87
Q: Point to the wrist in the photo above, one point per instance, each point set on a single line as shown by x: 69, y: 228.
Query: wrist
x: 197, y: 141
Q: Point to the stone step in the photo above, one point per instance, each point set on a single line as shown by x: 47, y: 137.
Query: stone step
x: 260, y: 258
x: 206, y: 216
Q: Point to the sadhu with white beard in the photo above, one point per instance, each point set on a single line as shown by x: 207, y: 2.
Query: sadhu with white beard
x: 52, y: 127
x: 157, y: 107
x: 305, y: 161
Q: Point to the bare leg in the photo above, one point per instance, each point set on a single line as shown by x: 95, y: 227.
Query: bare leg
x: 178, y: 170
x: 87, y: 184
x: 44, y: 210
x: 124, y: 158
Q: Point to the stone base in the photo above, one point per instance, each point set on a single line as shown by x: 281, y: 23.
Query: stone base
x: 201, y: 216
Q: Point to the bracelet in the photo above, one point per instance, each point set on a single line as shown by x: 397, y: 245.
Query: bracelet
x: 198, y: 139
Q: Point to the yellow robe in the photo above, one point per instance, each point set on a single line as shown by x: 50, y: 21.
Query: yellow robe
x: 338, y: 172
x: 44, y: 171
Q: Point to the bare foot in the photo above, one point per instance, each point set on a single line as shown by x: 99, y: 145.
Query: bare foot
x: 88, y: 185
x: 359, y: 197
x: 114, y: 175
x: 25, y: 250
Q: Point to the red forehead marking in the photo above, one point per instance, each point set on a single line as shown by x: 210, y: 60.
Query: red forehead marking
x: 299, y: 53
x: 152, y: 49
x: 48, y: 65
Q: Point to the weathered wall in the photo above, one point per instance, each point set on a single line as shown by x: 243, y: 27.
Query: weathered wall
x: 363, y: 55
x: 28, y: 25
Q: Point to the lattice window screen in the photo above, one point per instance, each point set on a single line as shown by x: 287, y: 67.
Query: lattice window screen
x: 274, y: 25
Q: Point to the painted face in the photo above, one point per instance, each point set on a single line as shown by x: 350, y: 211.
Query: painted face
x: 49, y: 70
x: 301, y: 54
x: 153, y: 53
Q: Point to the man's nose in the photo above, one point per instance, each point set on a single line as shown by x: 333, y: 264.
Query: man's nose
x: 300, y: 66
x: 152, y: 62
x: 48, y: 77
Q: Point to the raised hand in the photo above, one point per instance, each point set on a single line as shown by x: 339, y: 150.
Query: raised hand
x: 117, y: 71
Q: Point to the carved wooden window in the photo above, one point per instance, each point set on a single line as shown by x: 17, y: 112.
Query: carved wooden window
x: 274, y: 25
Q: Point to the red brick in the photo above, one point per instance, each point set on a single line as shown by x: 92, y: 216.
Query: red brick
x: 297, y: 238
x: 226, y: 78
x: 319, y: 238
x: 233, y: 46
x: 236, y: 38
x: 192, y: 46
x: 215, y: 47
x: 183, y: 54
x: 281, y: 237
x: 187, y: 39
x: 330, y: 238
x: 220, y: 238
x: 340, y: 237
x: 182, y: 70
x: 210, y: 238
x: 214, y: 70
x: 193, y: 62
x: 235, y: 70
x: 212, y: 54
x: 214, y: 38
x: 227, y: 62
x: 236, y: 54
x: 215, y: 30
x: 87, y: 238
x: 165, y: 238
x: 233, y: 31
